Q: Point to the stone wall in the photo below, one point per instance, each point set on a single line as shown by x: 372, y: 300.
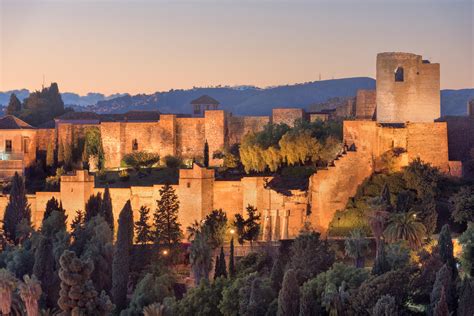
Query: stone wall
x: 190, y: 137
x: 216, y: 133
x: 329, y: 190
x: 365, y: 104
x: 45, y: 136
x: 460, y: 136
x: 239, y: 126
x: 287, y: 116
x: 416, y: 98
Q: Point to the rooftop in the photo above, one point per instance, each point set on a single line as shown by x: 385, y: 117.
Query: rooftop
x: 205, y: 99
x: 12, y: 122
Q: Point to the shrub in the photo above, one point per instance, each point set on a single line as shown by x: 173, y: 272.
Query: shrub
x: 172, y: 162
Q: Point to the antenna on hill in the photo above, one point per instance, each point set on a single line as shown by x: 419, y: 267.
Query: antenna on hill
x: 43, y: 81
x: 319, y: 76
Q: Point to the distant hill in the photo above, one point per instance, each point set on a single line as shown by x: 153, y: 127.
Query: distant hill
x: 242, y: 100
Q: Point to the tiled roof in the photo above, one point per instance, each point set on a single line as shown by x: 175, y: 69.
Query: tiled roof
x: 12, y: 122
x: 205, y: 99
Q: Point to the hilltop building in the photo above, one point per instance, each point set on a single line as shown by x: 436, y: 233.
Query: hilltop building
x: 400, y: 114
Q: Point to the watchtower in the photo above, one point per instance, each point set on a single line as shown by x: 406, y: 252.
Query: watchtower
x: 408, y: 88
x: 204, y: 103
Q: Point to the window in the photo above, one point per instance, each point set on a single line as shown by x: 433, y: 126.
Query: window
x: 188, y: 184
x: 399, y: 75
x: 26, y: 145
x: 134, y: 144
x: 8, y: 146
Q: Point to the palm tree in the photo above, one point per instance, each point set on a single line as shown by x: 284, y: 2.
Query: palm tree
x: 405, y: 226
x: 357, y: 246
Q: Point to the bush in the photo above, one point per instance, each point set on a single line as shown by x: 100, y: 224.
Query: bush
x: 123, y: 175
x: 172, y: 162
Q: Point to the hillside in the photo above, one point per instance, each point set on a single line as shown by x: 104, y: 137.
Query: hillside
x: 240, y: 100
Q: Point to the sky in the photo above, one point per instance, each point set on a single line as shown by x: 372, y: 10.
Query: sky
x: 147, y: 46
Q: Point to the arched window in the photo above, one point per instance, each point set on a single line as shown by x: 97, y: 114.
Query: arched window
x: 135, y: 144
x: 399, y: 74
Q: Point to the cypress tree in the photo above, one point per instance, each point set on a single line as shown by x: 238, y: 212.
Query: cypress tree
x: 380, y: 264
x: 50, y: 155
x: 14, y: 105
x: 121, y: 261
x: 385, y: 306
x: 445, y: 245
x: 441, y: 308
x: 222, y: 264
x: 466, y: 295
x: 443, y: 282
x: 68, y: 159
x: 52, y: 205
x: 93, y: 207
x: 289, y: 296
x: 77, y: 223
x: 142, y: 227
x: 61, y: 153
x: 17, y: 210
x: 216, y: 268
x: 231, y: 259
x: 44, y: 270
x: 107, y: 211
x: 277, y: 274
x: 206, y: 154
x: 167, y: 229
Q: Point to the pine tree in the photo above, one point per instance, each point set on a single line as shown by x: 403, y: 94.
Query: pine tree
x: 93, y: 207
x: 78, y: 295
x: 17, y: 210
x: 231, y: 259
x: 206, y: 154
x: 288, y: 299
x: 77, y: 223
x: 106, y: 209
x: 50, y: 155
x: 44, y: 270
x: 142, y: 227
x: 167, y: 229
x: 121, y: 261
x: 14, y: 106
x: 445, y: 245
x: 441, y: 308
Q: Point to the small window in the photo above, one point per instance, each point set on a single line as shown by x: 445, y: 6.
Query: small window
x: 8, y: 146
x: 188, y: 184
x: 399, y: 77
x: 26, y: 145
x: 134, y: 144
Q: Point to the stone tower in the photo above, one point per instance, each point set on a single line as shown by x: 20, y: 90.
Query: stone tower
x: 408, y: 88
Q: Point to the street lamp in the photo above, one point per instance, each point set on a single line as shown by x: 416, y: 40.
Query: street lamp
x: 232, y: 231
x: 165, y: 252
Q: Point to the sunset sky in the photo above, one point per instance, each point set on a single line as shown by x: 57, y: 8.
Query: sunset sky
x: 147, y: 46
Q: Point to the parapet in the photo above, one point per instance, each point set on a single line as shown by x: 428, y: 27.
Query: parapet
x: 287, y: 116
x: 79, y: 176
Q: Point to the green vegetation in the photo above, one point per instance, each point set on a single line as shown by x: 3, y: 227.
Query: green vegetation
x: 277, y: 146
x: 141, y: 159
x: 167, y: 231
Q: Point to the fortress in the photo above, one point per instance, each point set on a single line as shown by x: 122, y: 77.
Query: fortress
x: 403, y: 113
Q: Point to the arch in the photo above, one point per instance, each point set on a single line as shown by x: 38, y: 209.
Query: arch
x: 399, y: 74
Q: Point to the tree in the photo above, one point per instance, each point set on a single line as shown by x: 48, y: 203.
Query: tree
x: 380, y: 263
x: 393, y: 283
x: 422, y: 178
x: 7, y: 286
x: 357, y: 247
x: 444, y: 283
x: 215, y: 224
x: 202, y: 300
x: 299, y: 147
x: 249, y: 228
x: 93, y: 207
x: 304, y: 262
x: 51, y: 206
x: 17, y: 210
x: 143, y: 231
x: 30, y: 292
x: 200, y: 257
x: 50, y: 155
x: 44, y: 270
x: 206, y: 154
x: 107, y: 209
x: 68, y: 158
x: 77, y: 295
x: 277, y: 273
x: 441, y: 308
x: 77, y: 224
x: 231, y: 259
x: 221, y: 270
x: 467, y: 256
x: 405, y: 226
x: 93, y: 146
x: 463, y: 205
x: 121, y: 261
x: 167, y: 229
x: 446, y: 253
x: 14, y: 105
x: 216, y: 267
x: 61, y: 153
x: 141, y: 159
x: 465, y: 306
x: 260, y: 298
x: 385, y: 306
x: 288, y: 298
